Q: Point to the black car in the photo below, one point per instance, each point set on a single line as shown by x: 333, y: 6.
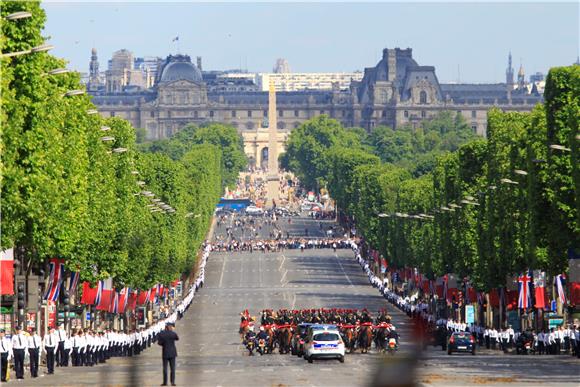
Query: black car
x: 298, y: 339
x: 461, y: 342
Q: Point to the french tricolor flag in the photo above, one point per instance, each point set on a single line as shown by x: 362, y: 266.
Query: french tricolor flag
x: 55, y: 279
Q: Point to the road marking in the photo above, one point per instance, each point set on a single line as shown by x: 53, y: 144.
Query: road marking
x: 237, y: 370
x: 223, y: 270
x: 342, y: 268
x: 230, y: 362
x: 208, y: 371
x: 268, y: 369
x: 284, y: 276
x: 325, y: 369
x: 293, y: 302
x: 283, y: 259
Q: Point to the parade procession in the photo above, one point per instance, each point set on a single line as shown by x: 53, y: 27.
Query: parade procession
x: 212, y: 221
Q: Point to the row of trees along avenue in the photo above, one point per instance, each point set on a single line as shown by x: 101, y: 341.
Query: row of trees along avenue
x: 441, y: 200
x: 77, y: 186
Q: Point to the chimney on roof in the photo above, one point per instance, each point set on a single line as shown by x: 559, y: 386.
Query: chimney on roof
x: 392, y: 65
x: 199, y: 63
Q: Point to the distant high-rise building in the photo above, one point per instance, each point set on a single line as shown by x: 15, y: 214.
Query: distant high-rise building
x: 306, y: 81
x: 537, y: 77
x: 126, y: 71
x: 281, y: 66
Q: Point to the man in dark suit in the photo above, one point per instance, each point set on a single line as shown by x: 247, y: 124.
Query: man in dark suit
x: 167, y: 339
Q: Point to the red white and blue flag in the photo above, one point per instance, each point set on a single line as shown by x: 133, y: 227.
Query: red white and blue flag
x: 124, y: 299
x: 99, y: 296
x: 480, y: 298
x: 525, y: 293
x: 73, y: 282
x: 114, y: 307
x: 148, y: 296
x: 467, y: 299
x: 560, y: 280
x: 432, y: 288
x: 55, y: 279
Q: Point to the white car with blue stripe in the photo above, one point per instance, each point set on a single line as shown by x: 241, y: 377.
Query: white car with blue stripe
x: 323, y: 342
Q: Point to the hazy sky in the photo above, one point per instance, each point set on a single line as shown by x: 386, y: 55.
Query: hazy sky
x: 472, y: 39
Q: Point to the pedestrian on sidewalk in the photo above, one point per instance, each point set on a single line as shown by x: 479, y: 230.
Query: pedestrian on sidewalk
x: 166, y: 339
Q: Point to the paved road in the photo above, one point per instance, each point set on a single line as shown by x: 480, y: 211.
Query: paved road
x: 210, y: 353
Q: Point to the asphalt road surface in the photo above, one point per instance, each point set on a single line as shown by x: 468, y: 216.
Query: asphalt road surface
x: 210, y: 352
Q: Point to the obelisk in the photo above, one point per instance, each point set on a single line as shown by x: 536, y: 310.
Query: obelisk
x: 273, y: 185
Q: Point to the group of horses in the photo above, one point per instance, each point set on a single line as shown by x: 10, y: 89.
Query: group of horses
x: 355, y: 337
x: 361, y: 336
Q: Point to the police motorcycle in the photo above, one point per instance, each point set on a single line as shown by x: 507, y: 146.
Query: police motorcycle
x: 250, y: 342
x: 525, y: 344
x: 262, y: 342
x: 392, y: 342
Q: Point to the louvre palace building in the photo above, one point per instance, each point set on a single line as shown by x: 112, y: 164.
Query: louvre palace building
x: 175, y: 92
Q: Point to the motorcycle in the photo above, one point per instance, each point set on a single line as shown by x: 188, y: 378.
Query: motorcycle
x: 524, y: 347
x: 250, y: 345
x: 261, y: 346
x: 391, y: 346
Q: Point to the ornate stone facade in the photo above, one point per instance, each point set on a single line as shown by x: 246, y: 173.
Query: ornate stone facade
x: 395, y: 92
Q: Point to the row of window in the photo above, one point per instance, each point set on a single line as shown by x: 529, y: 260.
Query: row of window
x: 424, y: 114
x: 249, y: 113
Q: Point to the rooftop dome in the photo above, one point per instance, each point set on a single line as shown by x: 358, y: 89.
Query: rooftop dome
x: 179, y: 67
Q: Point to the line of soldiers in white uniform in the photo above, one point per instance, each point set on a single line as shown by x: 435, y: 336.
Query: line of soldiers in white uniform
x: 554, y: 341
x: 85, y: 347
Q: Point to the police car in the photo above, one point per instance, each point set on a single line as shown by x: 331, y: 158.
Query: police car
x: 323, y: 342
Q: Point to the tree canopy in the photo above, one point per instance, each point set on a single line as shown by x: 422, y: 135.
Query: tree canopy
x: 452, y: 202
x: 76, y: 185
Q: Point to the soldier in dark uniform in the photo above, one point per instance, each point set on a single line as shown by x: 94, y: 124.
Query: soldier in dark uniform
x: 365, y: 318
x: 167, y: 339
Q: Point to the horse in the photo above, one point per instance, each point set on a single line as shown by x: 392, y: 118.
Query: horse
x: 349, y: 337
x: 365, y: 338
x: 381, y: 334
x: 284, y: 337
x: 269, y: 329
x: 244, y: 328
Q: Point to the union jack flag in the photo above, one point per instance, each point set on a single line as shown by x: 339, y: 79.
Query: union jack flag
x: 525, y: 294
x: 559, y: 280
x: 55, y: 279
x: 100, y: 286
x: 73, y: 281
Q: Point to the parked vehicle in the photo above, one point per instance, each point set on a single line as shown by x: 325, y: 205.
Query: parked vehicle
x: 461, y: 342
